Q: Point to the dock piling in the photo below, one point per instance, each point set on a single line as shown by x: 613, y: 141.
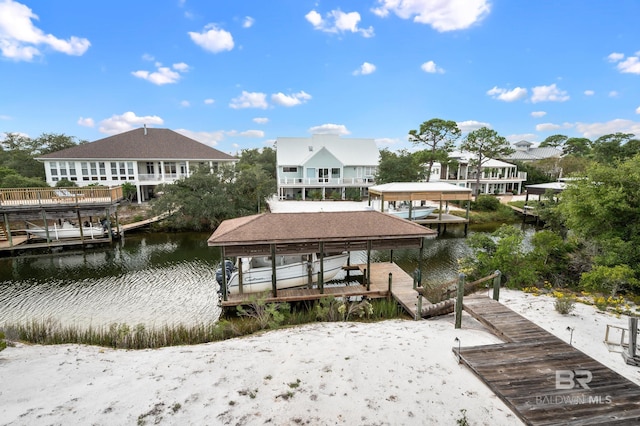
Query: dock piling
x: 460, y: 296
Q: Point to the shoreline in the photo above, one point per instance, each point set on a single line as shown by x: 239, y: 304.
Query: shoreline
x: 391, y: 372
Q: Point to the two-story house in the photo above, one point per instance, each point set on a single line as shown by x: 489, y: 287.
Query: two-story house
x: 325, y: 166
x: 497, y: 177
x: 145, y: 157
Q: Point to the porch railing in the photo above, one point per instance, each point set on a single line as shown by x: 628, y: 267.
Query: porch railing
x: 326, y: 181
x: 57, y: 196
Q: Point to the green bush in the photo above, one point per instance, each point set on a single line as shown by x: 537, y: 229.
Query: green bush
x: 486, y: 203
x: 3, y: 344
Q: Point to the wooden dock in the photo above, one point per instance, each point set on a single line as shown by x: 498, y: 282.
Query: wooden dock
x: 401, y: 289
x: 523, y: 372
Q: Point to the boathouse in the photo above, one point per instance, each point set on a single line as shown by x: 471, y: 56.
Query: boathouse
x: 273, y: 234
x: 22, y: 209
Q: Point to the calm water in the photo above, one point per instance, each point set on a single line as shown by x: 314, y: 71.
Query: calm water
x: 151, y: 279
x: 156, y: 279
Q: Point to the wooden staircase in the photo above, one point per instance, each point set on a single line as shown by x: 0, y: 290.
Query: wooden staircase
x: 3, y: 233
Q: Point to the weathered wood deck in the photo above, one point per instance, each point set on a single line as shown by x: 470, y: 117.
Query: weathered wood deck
x: 523, y: 373
x: 402, y: 289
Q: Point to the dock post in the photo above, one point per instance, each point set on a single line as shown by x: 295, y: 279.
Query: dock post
x: 496, y: 285
x: 460, y: 296
x: 631, y: 357
x: 419, y: 310
x: 7, y: 228
x: 390, y: 286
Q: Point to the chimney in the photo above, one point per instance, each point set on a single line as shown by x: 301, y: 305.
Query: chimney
x: 145, y: 130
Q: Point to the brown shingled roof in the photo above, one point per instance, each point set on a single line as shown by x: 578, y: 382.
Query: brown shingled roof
x: 329, y: 227
x: 134, y: 144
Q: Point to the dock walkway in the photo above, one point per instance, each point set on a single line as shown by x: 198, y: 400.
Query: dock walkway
x: 401, y: 289
x: 523, y: 372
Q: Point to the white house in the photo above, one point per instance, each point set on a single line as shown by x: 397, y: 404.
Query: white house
x: 497, y: 177
x: 144, y: 157
x: 325, y: 166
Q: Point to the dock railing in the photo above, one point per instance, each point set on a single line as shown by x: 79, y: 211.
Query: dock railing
x: 54, y: 196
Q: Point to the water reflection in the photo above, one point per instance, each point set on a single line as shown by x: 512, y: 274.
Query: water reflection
x: 157, y: 279
x: 151, y: 279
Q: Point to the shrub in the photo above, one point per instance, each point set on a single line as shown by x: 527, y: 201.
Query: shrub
x: 267, y: 315
x: 486, y: 203
x: 565, y: 305
x: 3, y: 344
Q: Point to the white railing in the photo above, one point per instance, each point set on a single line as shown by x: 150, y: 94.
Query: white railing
x: 167, y: 177
x: 326, y: 181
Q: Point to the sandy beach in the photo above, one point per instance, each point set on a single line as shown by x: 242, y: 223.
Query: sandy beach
x: 396, y: 372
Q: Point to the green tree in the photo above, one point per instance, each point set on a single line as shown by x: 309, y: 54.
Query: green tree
x: 439, y: 137
x: 18, y: 154
x: 579, y: 147
x: 485, y: 144
x: 554, y: 141
x: 129, y: 191
x: 397, y: 167
x: 265, y: 158
x: 65, y: 183
x: 53, y: 142
x: 609, y: 148
x: 604, y: 208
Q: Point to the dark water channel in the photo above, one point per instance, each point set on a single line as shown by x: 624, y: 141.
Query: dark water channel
x: 155, y: 279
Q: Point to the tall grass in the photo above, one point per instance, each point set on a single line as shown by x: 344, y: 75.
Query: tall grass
x: 123, y: 336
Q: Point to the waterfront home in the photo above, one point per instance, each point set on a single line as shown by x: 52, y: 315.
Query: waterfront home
x: 496, y: 176
x: 325, y: 167
x: 526, y: 152
x: 145, y: 157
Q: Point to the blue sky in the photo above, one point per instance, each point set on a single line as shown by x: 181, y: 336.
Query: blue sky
x: 238, y: 74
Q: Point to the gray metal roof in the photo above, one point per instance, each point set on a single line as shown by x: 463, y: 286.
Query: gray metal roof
x: 142, y: 144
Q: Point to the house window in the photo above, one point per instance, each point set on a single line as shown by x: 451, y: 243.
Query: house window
x: 84, y: 166
x: 335, y: 173
x: 290, y: 169
x: 62, y: 165
x: 72, y: 171
x: 149, y: 168
x: 170, y: 168
x: 53, y: 166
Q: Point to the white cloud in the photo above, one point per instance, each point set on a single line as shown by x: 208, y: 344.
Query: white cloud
x: 207, y: 138
x: 250, y: 100
x: 209, y: 101
x: 507, y: 95
x: 338, y: 21
x: 261, y: 120
x: 148, y: 57
x: 441, y: 15
x: 538, y: 114
x: 517, y: 137
x: 615, y: 57
x: 638, y: 110
x: 21, y: 40
x: 290, y: 100
x: 330, y: 129
x: 185, y: 104
x: 86, y: 122
x: 252, y: 134
x: 431, y: 68
x: 548, y: 94
x: 248, y: 22
x: 595, y: 130
x: 631, y: 65
x: 613, y: 94
x: 470, y: 125
x: 127, y: 121
x: 589, y: 93
x: 162, y: 75
x: 213, y: 39
x: 7, y: 117
x: 547, y: 127
x: 365, y: 68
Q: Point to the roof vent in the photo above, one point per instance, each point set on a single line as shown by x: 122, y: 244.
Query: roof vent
x: 310, y: 148
x: 145, y: 130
